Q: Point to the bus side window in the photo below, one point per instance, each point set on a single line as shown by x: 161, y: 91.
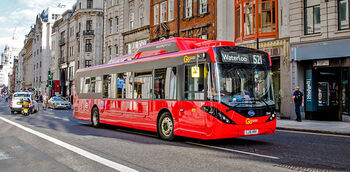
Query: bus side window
x: 82, y: 79
x: 121, y: 87
x: 143, y: 85
x: 128, y: 83
x: 165, y: 83
x: 194, y: 87
x: 87, y: 85
x: 106, y: 86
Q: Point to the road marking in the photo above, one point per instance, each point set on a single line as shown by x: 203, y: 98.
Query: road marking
x: 75, y: 149
x: 232, y: 150
x: 320, y: 134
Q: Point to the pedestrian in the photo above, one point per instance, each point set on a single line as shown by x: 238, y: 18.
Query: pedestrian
x: 45, y: 98
x: 6, y: 98
x: 298, y: 101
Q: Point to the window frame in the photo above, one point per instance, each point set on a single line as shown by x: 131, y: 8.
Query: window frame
x: 171, y: 10
x: 163, y: 19
x: 89, y: 4
x: 88, y: 45
x: 186, y: 4
x: 200, y: 7
x: 339, y: 21
x: 156, y: 14
x: 240, y: 17
x: 313, y: 18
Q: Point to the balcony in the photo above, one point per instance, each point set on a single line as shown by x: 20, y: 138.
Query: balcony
x: 88, y: 32
x: 62, y: 42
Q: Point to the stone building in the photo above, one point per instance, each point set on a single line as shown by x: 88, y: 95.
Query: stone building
x: 319, y: 38
x: 41, y: 46
x: 27, y: 61
x: 77, y: 37
x: 113, y: 29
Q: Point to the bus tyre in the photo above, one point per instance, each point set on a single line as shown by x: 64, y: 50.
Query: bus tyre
x: 166, y: 126
x: 95, y: 117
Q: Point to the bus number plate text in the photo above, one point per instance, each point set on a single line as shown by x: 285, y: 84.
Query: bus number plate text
x: 249, y: 132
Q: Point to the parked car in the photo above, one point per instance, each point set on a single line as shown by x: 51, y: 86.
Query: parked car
x: 16, y: 105
x: 58, y: 102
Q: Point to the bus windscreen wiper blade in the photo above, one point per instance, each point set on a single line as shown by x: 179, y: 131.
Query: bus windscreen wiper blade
x: 232, y: 107
x: 262, y: 100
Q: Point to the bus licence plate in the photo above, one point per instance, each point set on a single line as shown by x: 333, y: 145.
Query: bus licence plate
x: 249, y: 132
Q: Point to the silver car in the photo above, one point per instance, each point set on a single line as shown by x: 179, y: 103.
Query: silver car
x: 58, y: 103
x: 16, y: 105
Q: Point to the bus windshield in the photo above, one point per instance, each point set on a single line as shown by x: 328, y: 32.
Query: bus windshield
x: 245, y: 83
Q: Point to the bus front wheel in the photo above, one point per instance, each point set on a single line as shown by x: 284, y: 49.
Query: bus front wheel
x: 95, y: 118
x: 166, y: 126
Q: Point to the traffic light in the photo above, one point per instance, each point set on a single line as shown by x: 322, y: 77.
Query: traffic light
x: 49, y: 76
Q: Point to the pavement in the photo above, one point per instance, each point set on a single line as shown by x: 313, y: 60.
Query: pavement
x: 326, y: 127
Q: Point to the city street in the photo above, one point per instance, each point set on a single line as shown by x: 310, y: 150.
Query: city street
x: 84, y: 148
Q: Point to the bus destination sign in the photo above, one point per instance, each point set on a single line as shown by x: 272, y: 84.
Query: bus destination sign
x: 234, y: 57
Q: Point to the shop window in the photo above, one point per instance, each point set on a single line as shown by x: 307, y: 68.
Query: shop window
x: 143, y: 85
x: 312, y: 17
x: 194, y: 86
x: 343, y: 14
x: 165, y: 83
x: 255, y: 19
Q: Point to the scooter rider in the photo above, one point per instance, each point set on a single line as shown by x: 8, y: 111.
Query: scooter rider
x: 26, y: 103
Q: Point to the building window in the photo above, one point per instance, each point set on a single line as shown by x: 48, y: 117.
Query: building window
x: 246, y: 19
x: 203, y: 6
x: 163, y: 12
x: 188, y: 8
x: 141, y: 15
x: 89, y: 4
x: 110, y: 25
x: 156, y: 14
x: 343, y: 14
x: 171, y: 10
x: 116, y: 2
x: 131, y: 21
x: 116, y: 24
x: 312, y: 17
x: 110, y: 52
x: 88, y: 45
x: 71, y: 31
x: 88, y: 63
x: 116, y: 50
x: 89, y: 25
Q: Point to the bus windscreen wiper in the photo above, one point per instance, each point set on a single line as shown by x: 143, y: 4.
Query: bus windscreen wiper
x: 232, y: 107
x: 262, y: 100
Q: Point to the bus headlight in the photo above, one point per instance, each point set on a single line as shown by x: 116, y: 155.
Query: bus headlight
x: 217, y: 114
x: 272, y: 117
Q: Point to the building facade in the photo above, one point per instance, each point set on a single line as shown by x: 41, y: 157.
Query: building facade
x: 28, y: 68
x: 77, y: 37
x: 41, y: 47
x: 319, y: 39
x: 268, y: 31
x: 113, y: 29
x: 184, y: 18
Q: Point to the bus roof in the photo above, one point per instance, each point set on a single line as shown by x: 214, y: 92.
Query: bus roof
x: 173, y: 47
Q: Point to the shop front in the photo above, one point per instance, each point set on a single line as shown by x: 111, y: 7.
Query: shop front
x: 323, y: 71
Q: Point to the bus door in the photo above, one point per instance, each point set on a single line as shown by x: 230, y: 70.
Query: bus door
x: 142, y: 93
x: 190, y: 115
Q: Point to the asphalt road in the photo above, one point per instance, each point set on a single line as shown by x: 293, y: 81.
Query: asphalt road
x: 52, y: 140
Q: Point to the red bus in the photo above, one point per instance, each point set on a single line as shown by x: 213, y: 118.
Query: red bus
x: 203, y: 89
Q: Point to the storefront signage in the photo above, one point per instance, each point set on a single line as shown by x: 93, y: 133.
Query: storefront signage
x: 310, y: 91
x: 321, y: 63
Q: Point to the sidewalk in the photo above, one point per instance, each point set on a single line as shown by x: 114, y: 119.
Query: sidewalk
x: 326, y: 127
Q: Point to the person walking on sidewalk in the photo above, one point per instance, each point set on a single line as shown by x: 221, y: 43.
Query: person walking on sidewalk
x: 298, y: 101
x: 45, y: 99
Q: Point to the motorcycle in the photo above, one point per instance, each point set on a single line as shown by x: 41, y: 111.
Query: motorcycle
x: 26, y: 108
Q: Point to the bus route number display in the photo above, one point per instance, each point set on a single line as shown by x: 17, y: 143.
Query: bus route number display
x: 233, y: 57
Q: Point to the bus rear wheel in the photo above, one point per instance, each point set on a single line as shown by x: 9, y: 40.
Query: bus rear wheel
x: 166, y: 126
x: 95, y: 117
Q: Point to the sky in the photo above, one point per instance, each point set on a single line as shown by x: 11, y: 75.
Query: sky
x: 21, y: 14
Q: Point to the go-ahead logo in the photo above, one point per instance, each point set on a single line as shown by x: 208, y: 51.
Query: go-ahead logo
x: 250, y: 121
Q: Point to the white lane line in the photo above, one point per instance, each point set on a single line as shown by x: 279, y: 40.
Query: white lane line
x: 232, y: 150
x: 75, y: 149
x: 317, y: 134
